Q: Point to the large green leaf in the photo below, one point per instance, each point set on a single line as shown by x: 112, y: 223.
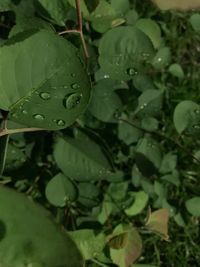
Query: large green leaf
x: 55, y: 10
x: 139, y: 203
x: 43, y: 82
x: 123, y: 50
x: 81, y: 159
x: 187, y: 117
x: 29, y: 237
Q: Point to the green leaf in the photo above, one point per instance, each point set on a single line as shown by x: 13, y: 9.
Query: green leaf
x: 6, y: 5
x: 168, y: 163
x: 193, y: 206
x: 132, y: 246
x: 187, y: 118
x: 176, y: 70
x: 120, y: 6
x: 104, y: 102
x: 148, y: 156
x: 151, y: 29
x: 47, y: 85
x: 139, y: 203
x: 54, y: 10
x: 81, y: 159
x: 150, y: 124
x: 142, y: 82
x: 103, y: 16
x: 88, y: 194
x: 29, y: 23
x: 89, y: 243
x: 162, y: 58
x: 60, y: 190
x: 150, y: 103
x: 15, y: 157
x: 30, y: 236
x: 128, y: 133
x: 127, y: 52
x: 195, y: 22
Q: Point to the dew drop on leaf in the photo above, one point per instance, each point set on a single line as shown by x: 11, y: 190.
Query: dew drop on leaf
x: 45, y: 95
x: 197, y: 111
x: 197, y: 127
x: 73, y: 75
x: 131, y: 71
x: 24, y: 111
x: 75, y: 86
x: 60, y: 122
x: 72, y: 100
x: 39, y: 117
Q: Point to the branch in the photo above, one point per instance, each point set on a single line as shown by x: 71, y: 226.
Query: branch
x: 4, y: 132
x: 79, y: 29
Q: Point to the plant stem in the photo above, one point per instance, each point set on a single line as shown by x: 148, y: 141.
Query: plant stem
x: 99, y: 263
x: 79, y: 29
x: 4, y: 132
x: 163, y: 137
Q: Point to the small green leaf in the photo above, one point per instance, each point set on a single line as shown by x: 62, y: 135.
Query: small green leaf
x: 148, y: 156
x: 151, y: 29
x: 187, y: 118
x: 195, y: 22
x: 122, y: 57
x: 128, y: 133
x: 60, y: 190
x: 193, y: 206
x: 89, y: 243
x: 105, y: 101
x: 149, y: 103
x: 162, y: 58
x: 81, y: 159
x: 177, y: 71
x: 139, y: 203
x: 150, y: 124
x: 88, y: 194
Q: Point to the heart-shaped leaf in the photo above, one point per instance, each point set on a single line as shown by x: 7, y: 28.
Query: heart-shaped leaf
x: 177, y: 4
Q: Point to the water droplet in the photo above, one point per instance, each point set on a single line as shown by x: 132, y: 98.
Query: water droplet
x: 73, y: 75
x: 145, y: 55
x: 143, y: 106
x: 159, y: 59
x: 131, y: 71
x: 60, y: 122
x: 24, y: 111
x: 75, y: 86
x: 14, y: 115
x: 39, y: 117
x: 45, y: 95
x: 106, y: 76
x: 72, y: 100
x: 65, y: 86
x: 197, y: 111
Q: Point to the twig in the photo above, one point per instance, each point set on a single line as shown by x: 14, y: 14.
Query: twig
x: 4, y: 132
x: 79, y: 29
x: 163, y: 137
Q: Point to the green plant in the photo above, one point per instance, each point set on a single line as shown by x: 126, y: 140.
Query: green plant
x: 100, y: 120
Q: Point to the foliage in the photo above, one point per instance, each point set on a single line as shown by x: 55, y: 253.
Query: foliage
x: 100, y: 124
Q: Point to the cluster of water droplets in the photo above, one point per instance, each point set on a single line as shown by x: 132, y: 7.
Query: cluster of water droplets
x: 70, y: 101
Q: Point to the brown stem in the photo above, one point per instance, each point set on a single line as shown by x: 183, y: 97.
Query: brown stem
x: 163, y: 137
x: 79, y: 29
x: 21, y: 130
